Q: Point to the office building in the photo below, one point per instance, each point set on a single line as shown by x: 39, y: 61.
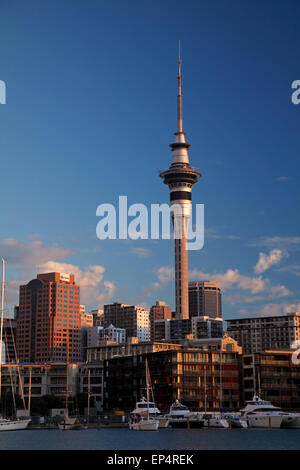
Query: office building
x: 205, y: 299
x: 48, y: 321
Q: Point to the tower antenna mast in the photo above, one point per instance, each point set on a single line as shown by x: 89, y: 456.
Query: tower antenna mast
x: 179, y: 96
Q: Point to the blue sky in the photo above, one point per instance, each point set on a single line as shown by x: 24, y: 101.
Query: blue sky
x: 90, y: 113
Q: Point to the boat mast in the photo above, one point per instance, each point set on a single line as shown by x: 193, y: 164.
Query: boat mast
x: 205, y: 391
x: 147, y: 385
x: 1, y: 328
x: 89, y: 392
x: 67, y: 376
x: 221, y: 382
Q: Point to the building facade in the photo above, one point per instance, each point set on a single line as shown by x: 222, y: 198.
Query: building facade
x: 48, y: 321
x: 274, y: 376
x: 199, y: 379
x: 265, y: 333
x: 110, y: 350
x: 91, y: 381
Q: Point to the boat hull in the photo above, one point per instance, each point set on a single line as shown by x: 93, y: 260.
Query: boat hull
x: 163, y: 422
x: 65, y: 427
x: 14, y: 425
x: 151, y: 425
x: 293, y: 423
x: 264, y: 421
x: 216, y: 423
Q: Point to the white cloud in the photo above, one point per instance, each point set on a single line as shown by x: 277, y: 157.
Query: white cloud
x: 34, y: 252
x: 141, y: 252
x: 277, y: 242
x: 266, y: 261
x: 283, y: 178
x: 233, y: 279
x: 92, y: 289
x: 165, y: 273
x: 292, y: 269
x: 212, y: 233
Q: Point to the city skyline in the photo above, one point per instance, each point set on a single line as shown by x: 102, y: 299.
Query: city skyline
x: 88, y: 132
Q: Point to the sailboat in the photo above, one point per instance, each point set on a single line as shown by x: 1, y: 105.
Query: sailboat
x: 7, y: 424
x: 144, y: 422
x: 69, y: 423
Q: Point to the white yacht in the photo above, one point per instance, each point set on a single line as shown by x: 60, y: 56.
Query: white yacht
x: 262, y: 414
x: 142, y: 420
x: 181, y: 417
x: 141, y: 409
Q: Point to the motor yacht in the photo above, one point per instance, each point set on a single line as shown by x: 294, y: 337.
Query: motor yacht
x: 262, y: 414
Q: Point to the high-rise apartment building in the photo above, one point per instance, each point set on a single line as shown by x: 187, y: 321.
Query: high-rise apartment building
x: 48, y: 323
x: 159, y: 311
x: 205, y: 299
x: 134, y: 319
x: 265, y: 333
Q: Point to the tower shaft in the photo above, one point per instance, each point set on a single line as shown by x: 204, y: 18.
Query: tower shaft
x: 181, y: 274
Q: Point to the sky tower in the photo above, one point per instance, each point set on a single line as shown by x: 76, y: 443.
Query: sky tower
x: 180, y: 177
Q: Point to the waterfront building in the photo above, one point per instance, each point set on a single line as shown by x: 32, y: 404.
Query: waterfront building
x: 274, y: 376
x: 134, y: 319
x: 225, y: 343
x: 130, y: 348
x: 205, y: 299
x: 265, y: 333
x: 38, y: 380
x: 91, y: 382
x: 196, y: 377
x: 180, y: 177
x: 48, y: 321
x: 159, y: 311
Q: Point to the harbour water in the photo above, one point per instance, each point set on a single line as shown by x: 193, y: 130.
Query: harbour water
x: 164, y: 439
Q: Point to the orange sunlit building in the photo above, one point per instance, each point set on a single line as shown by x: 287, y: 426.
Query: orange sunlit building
x: 48, y: 323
